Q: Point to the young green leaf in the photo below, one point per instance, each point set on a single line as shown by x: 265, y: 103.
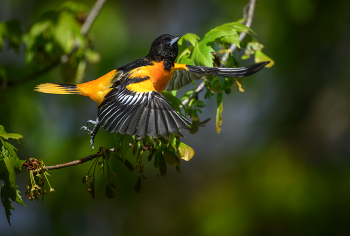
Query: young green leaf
x: 6, y: 136
x: 192, y: 38
x: 202, y: 54
x: 260, y: 57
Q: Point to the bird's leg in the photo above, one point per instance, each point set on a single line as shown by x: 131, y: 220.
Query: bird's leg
x: 92, y: 132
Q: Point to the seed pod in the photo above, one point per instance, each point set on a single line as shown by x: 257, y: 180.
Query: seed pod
x: 85, y: 179
x: 109, y: 192
x: 128, y: 165
x: 138, y: 185
x: 162, y: 166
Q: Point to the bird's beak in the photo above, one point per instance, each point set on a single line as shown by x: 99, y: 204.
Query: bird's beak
x: 174, y: 40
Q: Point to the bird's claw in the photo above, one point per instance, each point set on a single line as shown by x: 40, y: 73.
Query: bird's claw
x: 92, y: 132
x: 87, y: 129
x: 94, y: 122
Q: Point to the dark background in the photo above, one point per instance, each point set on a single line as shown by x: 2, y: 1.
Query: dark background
x: 280, y: 166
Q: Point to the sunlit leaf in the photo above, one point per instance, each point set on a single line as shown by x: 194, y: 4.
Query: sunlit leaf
x: 202, y: 54
x: 219, y: 112
x: 239, y: 85
x: 260, y: 57
x: 192, y: 38
x: 184, y: 151
x: 6, y: 136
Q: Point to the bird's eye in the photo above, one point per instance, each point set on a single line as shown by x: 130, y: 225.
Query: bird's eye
x: 164, y: 41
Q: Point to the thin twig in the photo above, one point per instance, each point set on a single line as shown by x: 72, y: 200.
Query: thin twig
x: 92, y: 16
x: 248, y: 23
x: 72, y: 163
x: 84, y: 30
x: 250, y: 7
x: 76, y: 162
x: 193, y: 95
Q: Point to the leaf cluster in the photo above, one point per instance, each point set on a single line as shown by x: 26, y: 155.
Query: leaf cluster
x: 209, y: 52
x: 10, y: 166
x: 53, y: 38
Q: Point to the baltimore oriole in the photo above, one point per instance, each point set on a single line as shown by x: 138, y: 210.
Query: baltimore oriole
x: 129, y: 98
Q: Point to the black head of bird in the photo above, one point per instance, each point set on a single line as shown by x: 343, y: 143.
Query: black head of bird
x: 164, y: 48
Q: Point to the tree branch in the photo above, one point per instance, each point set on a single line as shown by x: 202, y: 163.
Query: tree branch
x: 31, y: 166
x: 250, y: 7
x: 84, y: 30
x: 76, y: 162
x: 92, y: 16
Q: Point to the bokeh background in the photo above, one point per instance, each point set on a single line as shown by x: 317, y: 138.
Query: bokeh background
x: 280, y: 166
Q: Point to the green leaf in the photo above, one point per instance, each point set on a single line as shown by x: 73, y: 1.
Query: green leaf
x: 185, y: 56
x: 184, y: 151
x: 231, y: 39
x: 260, y: 57
x: 157, y: 157
x: 192, y: 38
x: 11, y: 30
x: 150, y: 156
x: 239, y: 84
x: 19, y: 199
x: 170, y: 158
x: 162, y: 166
x: 92, y: 56
x: 202, y: 54
x: 174, y: 101
x: 219, y: 112
x: 6, y: 195
x: 63, y: 31
x: 6, y: 136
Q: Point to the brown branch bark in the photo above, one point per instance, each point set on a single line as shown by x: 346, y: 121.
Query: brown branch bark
x: 84, y: 30
x: 250, y: 7
x: 76, y: 162
x: 68, y: 164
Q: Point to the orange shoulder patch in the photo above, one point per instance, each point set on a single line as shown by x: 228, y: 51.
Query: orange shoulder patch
x: 141, y: 87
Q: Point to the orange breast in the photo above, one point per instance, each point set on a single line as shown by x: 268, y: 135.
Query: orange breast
x: 158, y: 76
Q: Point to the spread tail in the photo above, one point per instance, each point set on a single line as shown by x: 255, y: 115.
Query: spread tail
x: 57, y: 88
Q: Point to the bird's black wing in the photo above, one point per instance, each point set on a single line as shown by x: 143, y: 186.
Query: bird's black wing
x: 141, y: 114
x: 187, y: 73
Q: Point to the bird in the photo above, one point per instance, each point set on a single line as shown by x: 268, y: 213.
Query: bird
x: 129, y: 98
